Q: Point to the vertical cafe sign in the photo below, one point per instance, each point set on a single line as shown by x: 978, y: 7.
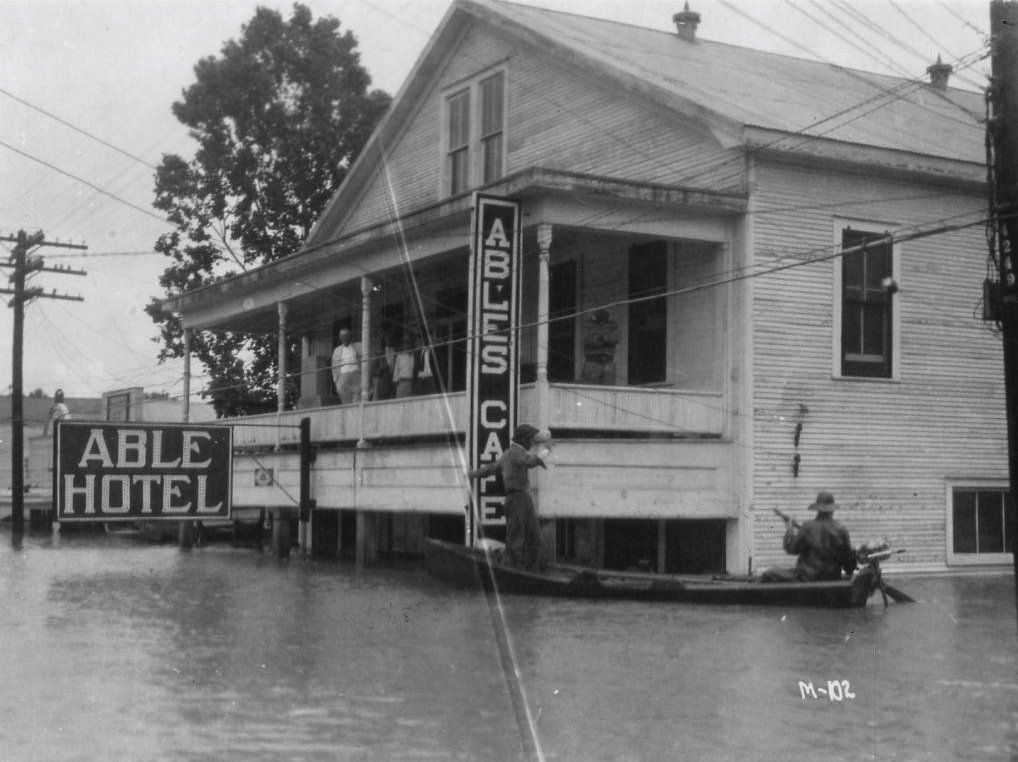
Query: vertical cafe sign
x: 493, y: 354
x: 141, y: 472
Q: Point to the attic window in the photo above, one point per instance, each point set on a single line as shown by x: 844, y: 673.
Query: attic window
x: 474, y: 136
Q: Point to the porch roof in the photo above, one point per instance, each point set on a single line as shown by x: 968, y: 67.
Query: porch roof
x: 249, y: 299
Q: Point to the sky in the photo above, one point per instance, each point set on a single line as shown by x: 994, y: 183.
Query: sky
x: 86, y: 89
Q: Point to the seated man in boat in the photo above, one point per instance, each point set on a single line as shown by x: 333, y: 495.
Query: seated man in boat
x: 522, y: 530
x: 822, y: 545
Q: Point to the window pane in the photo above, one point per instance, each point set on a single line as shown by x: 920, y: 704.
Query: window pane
x: 873, y: 332
x: 491, y: 104
x: 459, y: 167
x: 964, y: 520
x: 851, y: 329
x: 990, y: 520
x: 492, y: 158
x: 878, y: 267
x: 852, y: 271
x: 459, y: 120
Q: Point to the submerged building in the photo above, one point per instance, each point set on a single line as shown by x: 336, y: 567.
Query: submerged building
x: 746, y: 278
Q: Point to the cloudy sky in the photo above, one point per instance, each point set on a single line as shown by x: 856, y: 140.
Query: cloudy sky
x: 112, y: 69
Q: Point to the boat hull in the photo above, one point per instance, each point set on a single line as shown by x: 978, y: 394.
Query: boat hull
x: 466, y: 567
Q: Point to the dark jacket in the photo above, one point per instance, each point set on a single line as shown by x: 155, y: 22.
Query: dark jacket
x: 823, y: 547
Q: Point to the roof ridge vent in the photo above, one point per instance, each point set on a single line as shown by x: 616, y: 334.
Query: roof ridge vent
x: 686, y: 23
x: 939, y: 73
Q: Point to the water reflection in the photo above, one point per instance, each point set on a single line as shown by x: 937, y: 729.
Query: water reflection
x: 115, y: 651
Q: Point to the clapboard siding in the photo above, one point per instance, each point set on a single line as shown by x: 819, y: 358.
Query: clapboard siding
x: 557, y: 118
x: 885, y: 448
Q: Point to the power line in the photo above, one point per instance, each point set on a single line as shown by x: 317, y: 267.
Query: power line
x: 82, y: 180
x: 80, y: 130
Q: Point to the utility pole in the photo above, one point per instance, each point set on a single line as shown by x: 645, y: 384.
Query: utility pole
x: 23, y: 266
x: 1002, y: 133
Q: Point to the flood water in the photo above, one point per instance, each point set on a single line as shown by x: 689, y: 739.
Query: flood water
x: 115, y: 651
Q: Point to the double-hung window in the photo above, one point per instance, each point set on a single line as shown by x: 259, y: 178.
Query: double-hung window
x: 866, y: 306
x: 981, y: 524
x: 475, y: 133
x: 458, y: 107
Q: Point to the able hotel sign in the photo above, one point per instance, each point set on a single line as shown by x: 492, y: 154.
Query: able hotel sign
x: 138, y: 471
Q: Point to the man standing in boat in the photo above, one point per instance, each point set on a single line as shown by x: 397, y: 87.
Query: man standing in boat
x: 822, y: 544
x: 522, y: 530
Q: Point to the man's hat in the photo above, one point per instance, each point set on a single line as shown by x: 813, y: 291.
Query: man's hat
x: 525, y: 431
x: 824, y: 503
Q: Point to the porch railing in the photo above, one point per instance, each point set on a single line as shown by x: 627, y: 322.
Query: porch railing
x: 573, y: 407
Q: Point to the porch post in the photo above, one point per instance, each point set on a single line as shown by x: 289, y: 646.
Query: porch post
x: 281, y: 362
x: 544, y: 234
x: 186, y: 412
x: 185, y: 529
x: 366, y: 285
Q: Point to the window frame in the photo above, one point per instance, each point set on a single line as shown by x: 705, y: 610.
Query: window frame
x: 476, y: 162
x: 837, y: 363
x: 972, y: 559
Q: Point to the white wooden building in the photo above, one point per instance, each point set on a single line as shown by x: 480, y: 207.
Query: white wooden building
x: 701, y: 193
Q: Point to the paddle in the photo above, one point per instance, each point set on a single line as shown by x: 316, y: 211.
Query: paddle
x: 896, y: 595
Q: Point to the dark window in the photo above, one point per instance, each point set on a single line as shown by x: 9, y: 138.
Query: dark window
x: 983, y: 520
x: 865, y: 307
x: 562, y: 331
x: 449, y: 334
x: 118, y: 407
x: 648, y: 334
x: 458, y: 106
x: 492, y: 123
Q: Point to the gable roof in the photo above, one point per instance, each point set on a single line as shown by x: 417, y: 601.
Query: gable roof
x: 733, y: 91
x: 754, y: 88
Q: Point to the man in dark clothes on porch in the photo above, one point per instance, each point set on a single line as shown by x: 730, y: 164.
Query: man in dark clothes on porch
x: 522, y: 530
x: 822, y: 545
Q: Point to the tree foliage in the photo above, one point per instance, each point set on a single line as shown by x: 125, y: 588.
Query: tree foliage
x: 278, y: 116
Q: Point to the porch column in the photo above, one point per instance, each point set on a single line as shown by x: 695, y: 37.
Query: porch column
x: 281, y: 359
x: 186, y: 411
x: 185, y: 529
x: 544, y: 234
x: 366, y: 348
x: 281, y: 362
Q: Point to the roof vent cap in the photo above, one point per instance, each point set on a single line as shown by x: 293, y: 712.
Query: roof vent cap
x: 939, y: 73
x: 686, y: 23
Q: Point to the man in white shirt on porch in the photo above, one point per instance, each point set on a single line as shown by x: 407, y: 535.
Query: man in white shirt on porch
x: 346, y: 368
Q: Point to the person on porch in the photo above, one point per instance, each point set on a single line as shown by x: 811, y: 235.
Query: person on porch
x: 822, y: 545
x: 403, y: 368
x: 600, y: 336
x: 424, y: 369
x: 522, y: 529
x: 346, y: 368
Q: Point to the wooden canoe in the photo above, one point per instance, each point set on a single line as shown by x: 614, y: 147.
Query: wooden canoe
x: 468, y: 567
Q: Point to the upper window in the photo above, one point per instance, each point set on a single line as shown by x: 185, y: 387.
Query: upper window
x: 475, y: 133
x: 866, y: 306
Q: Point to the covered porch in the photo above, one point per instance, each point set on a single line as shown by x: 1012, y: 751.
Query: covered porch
x: 637, y: 262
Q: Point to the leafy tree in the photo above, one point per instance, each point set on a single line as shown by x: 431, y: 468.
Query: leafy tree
x: 36, y: 393
x: 278, y: 117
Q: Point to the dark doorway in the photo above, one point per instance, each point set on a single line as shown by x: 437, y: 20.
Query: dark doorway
x: 695, y: 546
x: 348, y: 532
x: 449, y: 335
x: 325, y: 533
x: 443, y: 526
x: 630, y: 544
x: 648, y: 334
x: 562, y: 331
